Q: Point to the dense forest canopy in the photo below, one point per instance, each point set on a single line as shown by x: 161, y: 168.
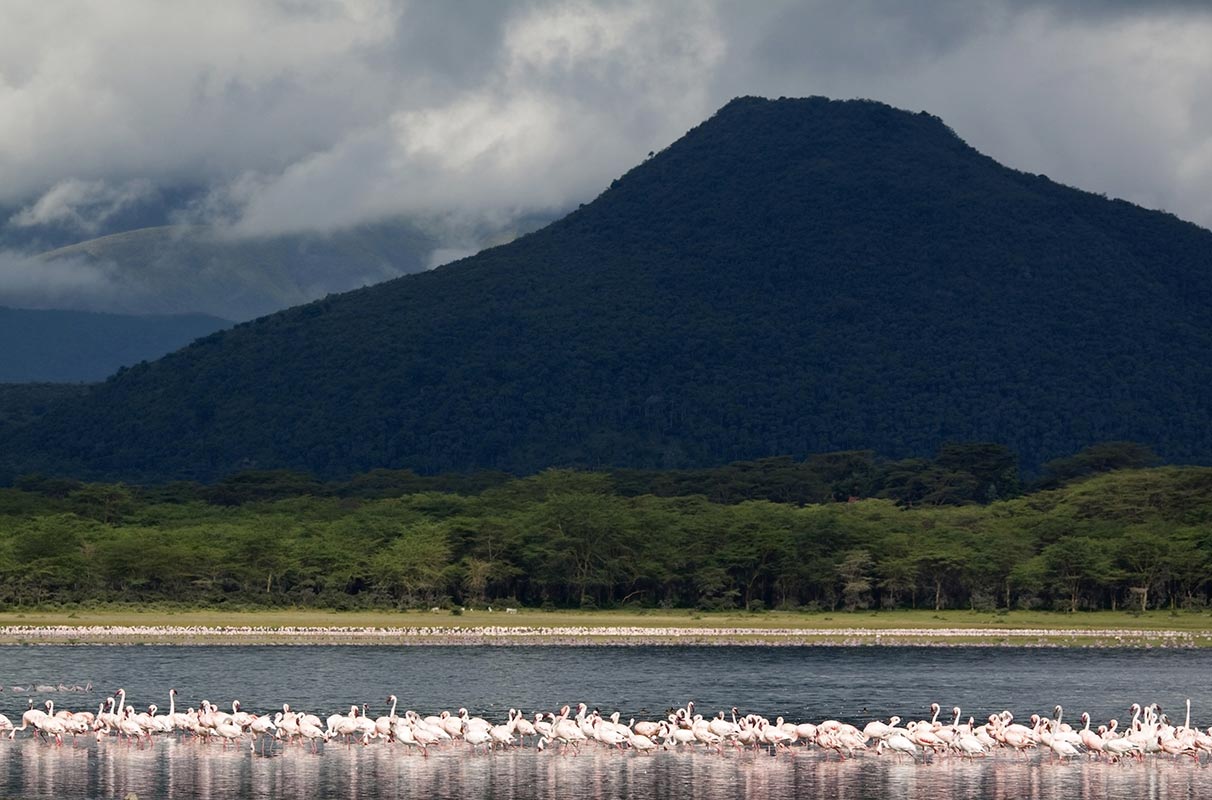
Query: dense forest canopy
x: 792, y: 276
x: 755, y: 535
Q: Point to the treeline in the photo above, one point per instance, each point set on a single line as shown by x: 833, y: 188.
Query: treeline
x: 961, y: 473
x: 1138, y: 538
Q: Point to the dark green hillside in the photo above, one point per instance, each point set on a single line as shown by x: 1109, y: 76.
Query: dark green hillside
x: 23, y: 403
x: 792, y: 276
x: 82, y: 346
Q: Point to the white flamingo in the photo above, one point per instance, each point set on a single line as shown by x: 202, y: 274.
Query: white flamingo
x: 478, y: 736
x: 522, y: 726
x: 899, y: 743
x: 30, y: 718
x: 641, y: 743
x: 312, y: 733
x: 260, y: 726
x: 384, y: 725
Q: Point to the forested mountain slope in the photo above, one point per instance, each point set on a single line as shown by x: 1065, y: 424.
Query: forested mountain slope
x: 792, y: 276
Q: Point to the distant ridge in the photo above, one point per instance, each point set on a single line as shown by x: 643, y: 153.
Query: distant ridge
x: 189, y: 269
x: 792, y: 276
x: 57, y: 346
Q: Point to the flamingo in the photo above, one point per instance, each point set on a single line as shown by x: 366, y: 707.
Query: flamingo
x: 680, y: 736
x: 384, y: 725
x: 878, y: 730
x: 567, y: 731
x: 522, y: 726
x: 1177, y: 747
x: 160, y: 724
x: 967, y: 742
x: 607, y: 734
x: 343, y: 724
x: 1063, y: 731
x: 31, y: 717
x: 641, y: 743
x: 1062, y: 748
x: 748, y: 737
x: 469, y: 721
x: 260, y: 725
x: 287, y: 724
x: 312, y: 733
x: 129, y: 727
x: 402, y: 732
x: 425, y: 736
x: 451, y: 725
x: 50, y: 726
x: 178, y: 721
x: 478, y: 736
x: 1090, y: 740
x: 923, y: 734
x: 502, y: 734
x: 239, y: 718
x: 425, y: 731
x: 365, y: 727
x: 723, y: 728
x: 900, y: 744
x: 542, y: 726
x: 775, y: 737
x: 229, y: 731
x: 1120, y: 747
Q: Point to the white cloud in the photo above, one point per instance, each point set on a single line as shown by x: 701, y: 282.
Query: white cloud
x: 199, y: 91
x: 580, y: 93
x: 300, y: 115
x: 82, y: 205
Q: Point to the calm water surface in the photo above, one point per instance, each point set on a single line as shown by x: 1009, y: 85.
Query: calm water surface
x: 802, y: 684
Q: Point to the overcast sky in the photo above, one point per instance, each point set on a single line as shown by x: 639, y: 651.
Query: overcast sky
x: 300, y: 114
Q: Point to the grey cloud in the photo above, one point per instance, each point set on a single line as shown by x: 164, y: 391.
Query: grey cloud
x: 1106, y: 97
x: 317, y: 116
x: 32, y: 282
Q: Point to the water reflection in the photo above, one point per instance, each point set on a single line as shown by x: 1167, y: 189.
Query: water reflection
x: 176, y: 769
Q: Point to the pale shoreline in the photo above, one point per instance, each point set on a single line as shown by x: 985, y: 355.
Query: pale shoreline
x: 576, y: 636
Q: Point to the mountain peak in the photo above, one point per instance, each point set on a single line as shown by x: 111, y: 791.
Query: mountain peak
x: 790, y: 277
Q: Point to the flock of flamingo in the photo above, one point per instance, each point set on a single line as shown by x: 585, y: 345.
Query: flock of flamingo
x: 1150, y: 732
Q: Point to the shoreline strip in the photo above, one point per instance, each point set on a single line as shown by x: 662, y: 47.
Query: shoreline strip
x: 603, y: 636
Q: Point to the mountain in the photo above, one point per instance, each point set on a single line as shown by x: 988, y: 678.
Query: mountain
x: 82, y: 346
x: 791, y: 276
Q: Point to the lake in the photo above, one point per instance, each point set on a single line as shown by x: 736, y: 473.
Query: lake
x: 801, y: 684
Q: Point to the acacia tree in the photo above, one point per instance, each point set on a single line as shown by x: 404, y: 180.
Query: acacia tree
x: 412, y: 566
x: 1187, y: 557
x: 587, y: 530
x: 940, y: 559
x: 1075, y: 563
x: 854, y: 574
x: 1143, y: 554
